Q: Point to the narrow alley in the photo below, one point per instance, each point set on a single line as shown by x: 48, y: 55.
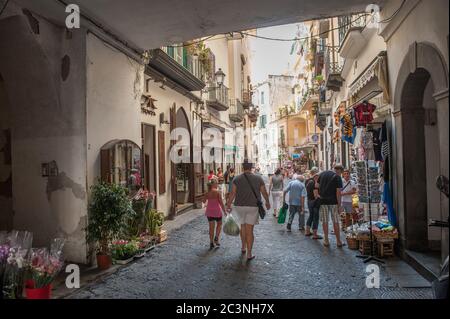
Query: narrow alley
x: 287, y: 265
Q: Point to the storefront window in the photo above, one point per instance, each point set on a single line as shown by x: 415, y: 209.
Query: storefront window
x: 121, y: 164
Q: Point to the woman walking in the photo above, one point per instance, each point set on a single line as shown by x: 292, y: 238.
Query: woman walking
x: 276, y: 189
x: 246, y: 193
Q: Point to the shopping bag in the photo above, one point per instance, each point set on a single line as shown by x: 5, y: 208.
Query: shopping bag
x: 282, y: 214
x: 231, y: 227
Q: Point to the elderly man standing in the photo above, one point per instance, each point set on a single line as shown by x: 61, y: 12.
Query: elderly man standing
x: 297, y: 194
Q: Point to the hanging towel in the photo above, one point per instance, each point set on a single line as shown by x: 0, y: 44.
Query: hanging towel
x: 390, y: 207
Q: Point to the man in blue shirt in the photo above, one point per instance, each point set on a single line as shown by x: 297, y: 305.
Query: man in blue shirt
x: 297, y: 194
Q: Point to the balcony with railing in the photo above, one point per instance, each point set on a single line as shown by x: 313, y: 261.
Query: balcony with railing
x: 236, y: 111
x: 217, y: 97
x: 246, y: 99
x: 178, y: 65
x: 333, y: 68
x: 253, y: 113
x: 351, y: 40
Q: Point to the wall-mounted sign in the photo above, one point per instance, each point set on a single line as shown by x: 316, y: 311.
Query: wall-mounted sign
x: 148, y: 105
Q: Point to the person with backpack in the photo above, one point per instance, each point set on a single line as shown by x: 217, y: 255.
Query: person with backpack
x: 330, y: 185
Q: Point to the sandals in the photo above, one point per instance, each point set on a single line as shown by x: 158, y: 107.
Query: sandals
x: 341, y: 245
x: 211, y: 246
x: 326, y: 243
x: 317, y: 237
x: 308, y: 234
x: 216, y: 241
x: 251, y: 258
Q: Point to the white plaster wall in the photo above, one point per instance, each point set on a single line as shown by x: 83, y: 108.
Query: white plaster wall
x: 48, y: 123
x: 165, y: 100
x: 114, y: 86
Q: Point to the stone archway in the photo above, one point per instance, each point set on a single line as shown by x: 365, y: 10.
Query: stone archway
x: 420, y: 111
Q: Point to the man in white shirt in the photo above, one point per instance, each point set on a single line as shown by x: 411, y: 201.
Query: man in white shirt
x: 349, y: 188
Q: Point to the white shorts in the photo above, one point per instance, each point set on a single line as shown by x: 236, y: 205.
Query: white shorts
x: 247, y: 214
x: 276, y: 198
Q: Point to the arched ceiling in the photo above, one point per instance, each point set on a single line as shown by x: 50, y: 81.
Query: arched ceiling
x: 147, y: 24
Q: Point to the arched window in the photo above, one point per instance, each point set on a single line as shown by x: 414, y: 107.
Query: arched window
x: 121, y: 164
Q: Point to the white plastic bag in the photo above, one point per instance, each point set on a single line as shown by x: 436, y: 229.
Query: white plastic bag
x: 231, y: 227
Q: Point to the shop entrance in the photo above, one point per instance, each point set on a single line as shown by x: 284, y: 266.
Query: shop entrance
x: 421, y: 151
x: 149, y: 158
x: 184, y: 171
x: 6, y: 207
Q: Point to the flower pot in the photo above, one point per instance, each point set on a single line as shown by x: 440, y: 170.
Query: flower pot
x: 104, y: 261
x: 37, y: 293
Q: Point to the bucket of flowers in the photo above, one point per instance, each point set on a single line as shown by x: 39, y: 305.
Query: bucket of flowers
x: 123, y: 251
x: 16, y: 246
x: 43, y: 266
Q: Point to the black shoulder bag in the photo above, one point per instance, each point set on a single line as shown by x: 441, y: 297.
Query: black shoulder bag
x: 261, y: 210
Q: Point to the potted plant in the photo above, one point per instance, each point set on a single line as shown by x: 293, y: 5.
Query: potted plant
x: 108, y: 209
x: 123, y: 251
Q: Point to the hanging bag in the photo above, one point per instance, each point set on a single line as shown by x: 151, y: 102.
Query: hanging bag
x: 282, y: 214
x: 231, y: 227
x: 261, y: 210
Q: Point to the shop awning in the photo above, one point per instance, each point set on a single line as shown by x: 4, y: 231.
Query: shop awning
x: 377, y: 71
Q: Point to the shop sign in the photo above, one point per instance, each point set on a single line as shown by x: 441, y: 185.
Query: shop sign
x: 148, y: 105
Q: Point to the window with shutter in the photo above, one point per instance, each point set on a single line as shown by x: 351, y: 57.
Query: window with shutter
x: 170, y: 51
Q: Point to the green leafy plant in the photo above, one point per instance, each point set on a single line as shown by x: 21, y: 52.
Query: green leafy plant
x: 108, y: 209
x: 123, y: 249
x: 154, y: 221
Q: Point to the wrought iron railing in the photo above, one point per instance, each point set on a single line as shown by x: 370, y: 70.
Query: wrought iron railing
x: 350, y: 21
x: 236, y: 110
x: 333, y: 61
x: 188, y: 61
x: 218, y: 93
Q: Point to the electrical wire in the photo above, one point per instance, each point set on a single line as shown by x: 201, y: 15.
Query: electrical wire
x: 4, y: 7
x: 394, y: 14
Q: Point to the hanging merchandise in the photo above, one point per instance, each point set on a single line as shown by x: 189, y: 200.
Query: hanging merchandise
x: 367, y: 145
x: 348, y: 130
x: 368, y: 183
x: 376, y: 142
x: 363, y: 113
x: 384, y: 142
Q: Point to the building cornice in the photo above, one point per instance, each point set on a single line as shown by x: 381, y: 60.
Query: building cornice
x: 388, y: 29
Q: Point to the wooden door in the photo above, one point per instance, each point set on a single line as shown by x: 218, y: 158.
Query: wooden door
x: 173, y: 181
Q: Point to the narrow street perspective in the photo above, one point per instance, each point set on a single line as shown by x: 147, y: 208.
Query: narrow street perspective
x: 288, y: 265
x: 224, y: 149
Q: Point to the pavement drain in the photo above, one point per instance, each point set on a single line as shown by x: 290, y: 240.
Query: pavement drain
x: 398, y: 293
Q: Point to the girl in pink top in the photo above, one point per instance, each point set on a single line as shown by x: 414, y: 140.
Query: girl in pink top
x: 214, y: 209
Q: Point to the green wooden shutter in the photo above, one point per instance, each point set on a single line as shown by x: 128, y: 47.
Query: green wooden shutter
x: 170, y: 52
x: 185, y: 58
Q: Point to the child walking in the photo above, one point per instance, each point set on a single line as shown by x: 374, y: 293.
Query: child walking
x: 214, y: 209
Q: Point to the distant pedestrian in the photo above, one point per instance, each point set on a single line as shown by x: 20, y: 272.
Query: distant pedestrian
x: 211, y: 175
x: 330, y: 185
x: 230, y: 182
x: 214, y: 210
x: 245, y: 187
x: 312, y: 190
x: 297, y: 192
x: 221, y: 181
x: 276, y: 189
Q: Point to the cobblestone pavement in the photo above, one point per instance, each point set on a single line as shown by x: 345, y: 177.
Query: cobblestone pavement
x: 287, y: 265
